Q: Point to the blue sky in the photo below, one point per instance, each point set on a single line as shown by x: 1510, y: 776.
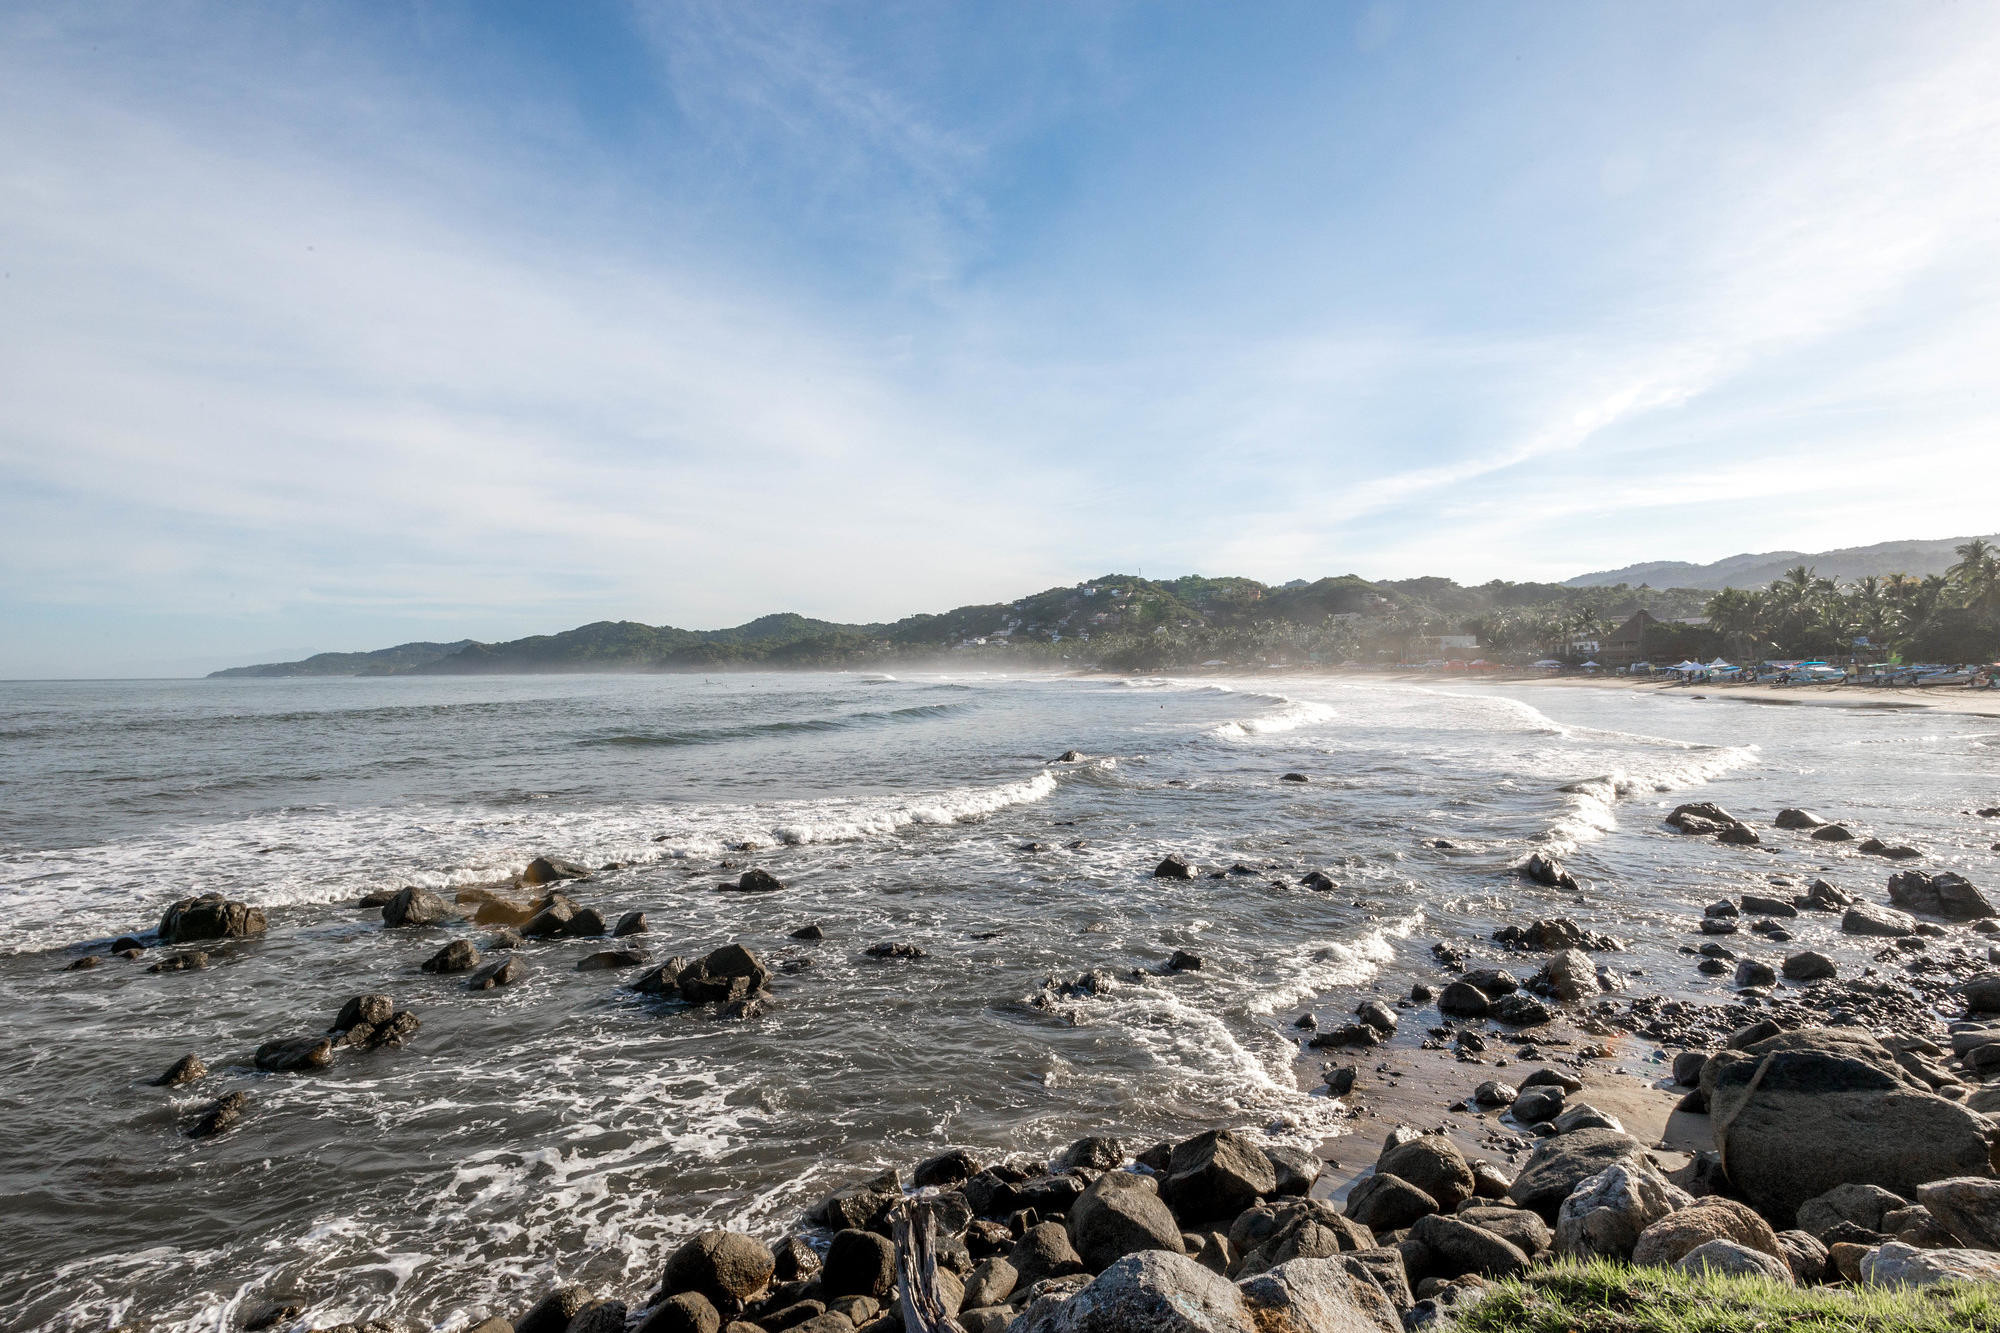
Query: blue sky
x: 333, y: 326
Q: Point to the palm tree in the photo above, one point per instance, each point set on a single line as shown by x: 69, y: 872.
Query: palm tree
x: 1977, y: 575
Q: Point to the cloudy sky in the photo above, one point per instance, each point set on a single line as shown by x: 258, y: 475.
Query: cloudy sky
x: 333, y: 326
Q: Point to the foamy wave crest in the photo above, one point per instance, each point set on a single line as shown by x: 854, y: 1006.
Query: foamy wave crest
x: 1290, y: 715
x: 1593, y: 802
x: 1314, y: 969
x: 315, y: 856
x: 848, y: 821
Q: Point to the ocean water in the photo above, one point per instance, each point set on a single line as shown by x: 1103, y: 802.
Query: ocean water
x: 565, y: 1128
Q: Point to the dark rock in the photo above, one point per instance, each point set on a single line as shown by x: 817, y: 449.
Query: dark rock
x: 1738, y: 835
x: 1092, y: 1153
x: 1862, y: 1206
x: 1715, y: 925
x: 1536, y: 1105
x: 1296, y: 1169
x: 896, y: 949
x: 1385, y: 1202
x: 1318, y: 881
x: 273, y: 1315
x: 551, y: 870
x: 1797, y: 819
x: 731, y: 972
x: 1832, y: 833
x: 553, y: 1312
x: 1752, y: 972
x: 662, y: 980
x: 1043, y: 1251
x: 374, y: 1010
x: 585, y: 923
x: 1547, y: 870
x: 1521, y: 1011
x: 952, y: 1167
x: 1756, y: 904
x: 1183, y: 961
x: 210, y: 917
x: 1216, y: 1174
x: 415, y: 907
x: 795, y: 1259
x: 725, y: 1266
x: 1456, y: 1247
x: 853, y: 1207
x: 503, y: 973
x: 599, y: 1317
x: 221, y: 1115
x: 1868, y: 919
x: 686, y: 1312
x: 1706, y: 811
x: 1462, y: 999
x: 294, y: 1055
x: 1340, y: 1080
x: 610, y: 960
x: 812, y: 932
x: 394, y: 1033
x: 1876, y: 847
x: 1721, y: 907
x: 84, y: 963
x: 1559, y: 1164
x: 1801, y: 1112
x: 1175, y: 866
x: 756, y: 881
x: 1120, y: 1214
x: 632, y: 923
x: 1293, y: 777
x: 1069, y: 757
x: 458, y: 956
x: 1944, y: 894
x: 187, y: 1069
x: 1433, y: 1164
x: 1808, y: 966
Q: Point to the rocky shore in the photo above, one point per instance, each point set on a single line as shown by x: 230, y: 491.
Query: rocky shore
x: 1830, y: 1123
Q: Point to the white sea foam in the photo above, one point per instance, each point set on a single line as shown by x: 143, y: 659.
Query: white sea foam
x: 1289, y: 715
x: 314, y: 856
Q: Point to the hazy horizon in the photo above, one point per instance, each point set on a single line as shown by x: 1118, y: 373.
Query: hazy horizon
x: 332, y: 329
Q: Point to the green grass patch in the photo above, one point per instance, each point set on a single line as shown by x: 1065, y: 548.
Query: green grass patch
x: 1602, y: 1297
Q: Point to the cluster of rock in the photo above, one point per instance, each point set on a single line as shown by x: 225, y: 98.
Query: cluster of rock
x: 1707, y: 819
x: 1214, y: 1234
x: 1836, y: 1146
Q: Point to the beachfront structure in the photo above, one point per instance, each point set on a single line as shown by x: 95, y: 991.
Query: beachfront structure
x: 1626, y: 644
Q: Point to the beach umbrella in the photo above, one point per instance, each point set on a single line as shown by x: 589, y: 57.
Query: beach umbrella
x: 1590, y: 664
x: 1719, y: 665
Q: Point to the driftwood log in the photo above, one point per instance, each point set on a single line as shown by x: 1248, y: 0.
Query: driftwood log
x: 924, y: 1309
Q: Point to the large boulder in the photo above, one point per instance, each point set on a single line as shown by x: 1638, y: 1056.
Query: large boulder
x: 1383, y: 1202
x: 1863, y: 1206
x: 1606, y: 1213
x: 1558, y: 1165
x: 1898, y: 1265
x: 294, y: 1055
x: 458, y: 956
x: 1453, y: 1247
x: 1277, y: 1233
x: 853, y: 1207
x: 1796, y: 1114
x: 210, y: 917
x: 1728, y: 1257
x: 1685, y: 1230
x: 1044, y: 1251
x: 1868, y: 919
x: 725, y: 1266
x: 1524, y: 1230
x: 551, y: 870
x: 1216, y: 1174
x: 1323, y: 1296
x: 859, y: 1263
x: 1120, y: 1214
x: 415, y: 907
x: 1944, y: 894
x: 1966, y: 1206
x: 552, y: 1313
x: 729, y: 973
x: 1151, y: 1292
x: 1433, y: 1164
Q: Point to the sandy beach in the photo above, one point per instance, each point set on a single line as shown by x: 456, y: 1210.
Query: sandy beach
x: 1942, y: 698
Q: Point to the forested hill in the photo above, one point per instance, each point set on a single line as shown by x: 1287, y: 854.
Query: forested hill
x: 1105, y: 619
x: 1915, y: 558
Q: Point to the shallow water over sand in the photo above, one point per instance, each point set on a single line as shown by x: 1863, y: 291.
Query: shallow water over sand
x: 565, y: 1127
